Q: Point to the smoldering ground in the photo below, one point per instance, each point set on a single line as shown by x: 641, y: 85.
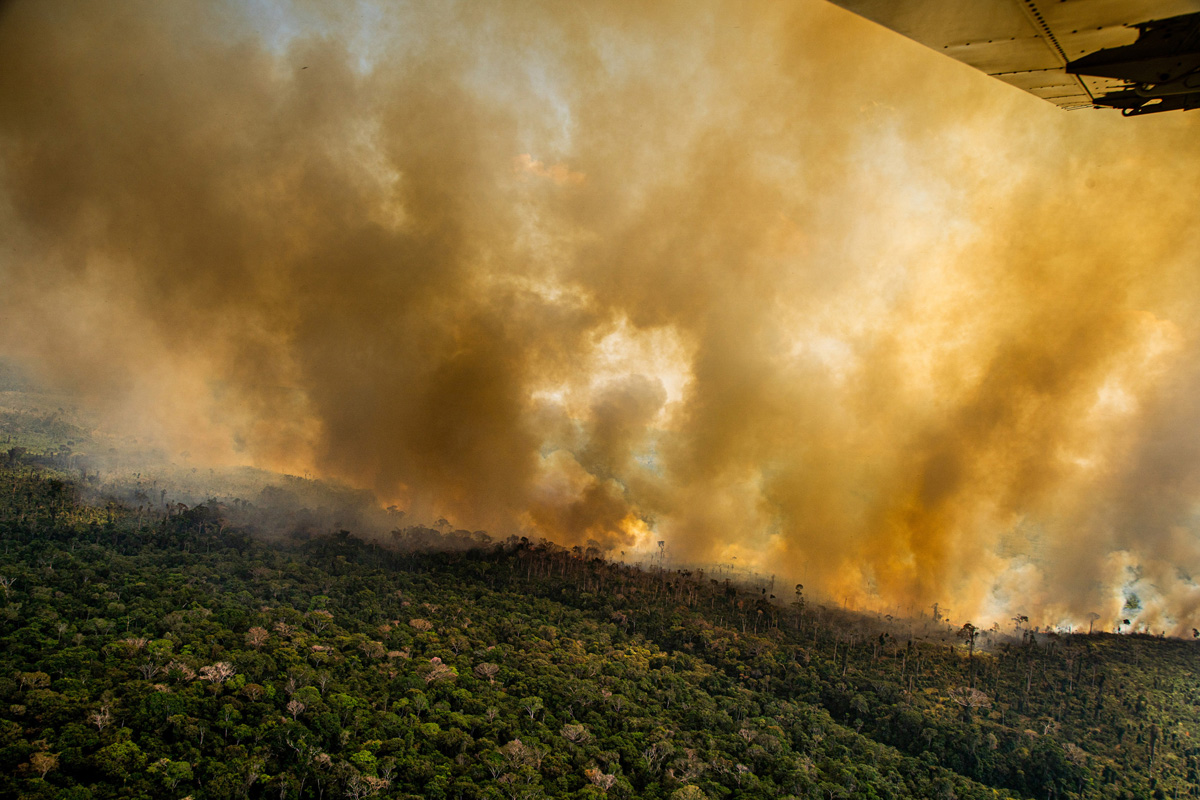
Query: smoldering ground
x: 761, y: 281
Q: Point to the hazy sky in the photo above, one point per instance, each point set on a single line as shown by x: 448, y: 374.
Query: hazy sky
x: 759, y: 280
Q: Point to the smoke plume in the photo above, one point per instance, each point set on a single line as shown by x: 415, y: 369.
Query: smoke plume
x: 762, y: 281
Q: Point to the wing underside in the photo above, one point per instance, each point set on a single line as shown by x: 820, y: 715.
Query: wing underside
x: 1028, y: 43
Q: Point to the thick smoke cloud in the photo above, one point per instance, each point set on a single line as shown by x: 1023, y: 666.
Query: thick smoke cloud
x: 764, y: 282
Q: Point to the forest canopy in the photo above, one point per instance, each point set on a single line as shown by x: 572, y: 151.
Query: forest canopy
x: 151, y: 653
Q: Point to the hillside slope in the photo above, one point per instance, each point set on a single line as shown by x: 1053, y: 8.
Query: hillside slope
x: 147, y: 655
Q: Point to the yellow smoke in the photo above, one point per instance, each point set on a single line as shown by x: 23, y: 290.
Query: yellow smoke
x: 762, y: 281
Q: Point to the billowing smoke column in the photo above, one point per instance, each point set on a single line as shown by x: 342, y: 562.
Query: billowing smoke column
x: 763, y: 282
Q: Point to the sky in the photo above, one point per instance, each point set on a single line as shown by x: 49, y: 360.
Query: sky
x: 763, y: 281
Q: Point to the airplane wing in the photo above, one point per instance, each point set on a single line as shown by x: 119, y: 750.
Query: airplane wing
x: 1137, y: 55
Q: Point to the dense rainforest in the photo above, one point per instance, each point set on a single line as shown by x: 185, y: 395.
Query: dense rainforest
x: 160, y: 650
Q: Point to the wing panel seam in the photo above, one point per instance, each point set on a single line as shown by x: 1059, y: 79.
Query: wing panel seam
x: 1035, y: 16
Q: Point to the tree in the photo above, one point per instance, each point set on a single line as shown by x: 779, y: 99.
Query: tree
x: 577, y: 734
x: 439, y: 671
x: 798, y: 604
x: 34, y: 680
x: 970, y: 699
x: 487, y: 671
x: 256, y: 637
x: 599, y: 779
x: 119, y: 759
x: 101, y: 718
x: 359, y: 785
x: 1077, y: 757
x: 318, y: 619
x: 969, y: 633
x: 515, y: 753
x: 217, y: 673
x: 43, y: 762
x: 170, y: 773
x: 532, y: 706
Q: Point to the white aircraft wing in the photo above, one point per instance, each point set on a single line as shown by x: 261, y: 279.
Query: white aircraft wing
x: 1035, y: 45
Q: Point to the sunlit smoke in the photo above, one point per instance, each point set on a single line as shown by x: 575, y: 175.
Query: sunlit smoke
x: 763, y: 281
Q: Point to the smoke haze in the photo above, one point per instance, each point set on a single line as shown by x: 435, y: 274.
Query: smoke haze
x: 761, y: 281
